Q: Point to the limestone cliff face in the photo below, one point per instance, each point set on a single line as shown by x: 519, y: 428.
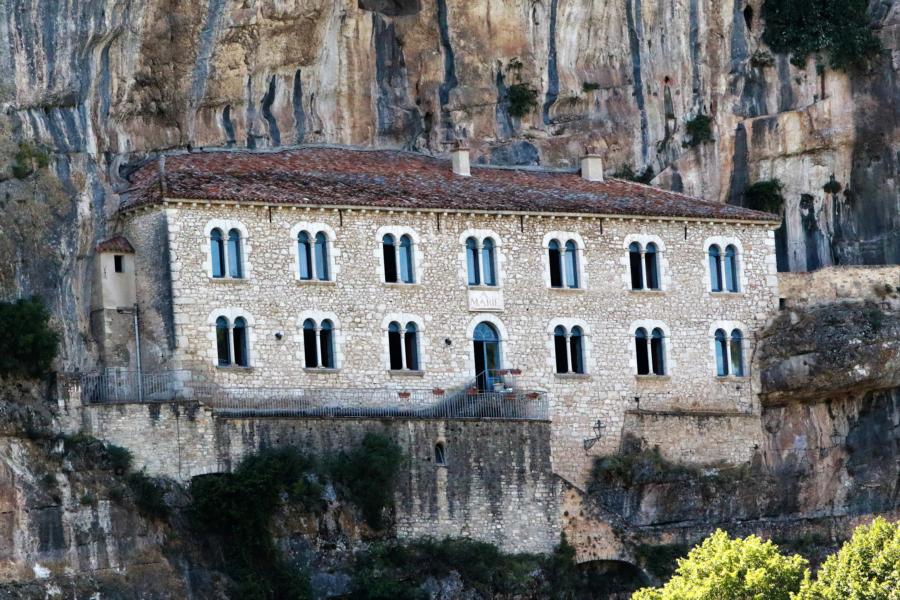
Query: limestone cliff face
x: 104, y: 83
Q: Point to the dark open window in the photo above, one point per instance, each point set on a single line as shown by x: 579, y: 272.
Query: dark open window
x: 576, y: 349
x: 737, y: 353
x: 223, y: 344
x: 651, y: 263
x: 118, y: 263
x: 657, y: 351
x: 555, y: 255
x: 395, y: 346
x: 310, y: 352
x: 641, y: 351
x: 239, y: 333
x: 560, y: 349
x: 634, y: 259
x: 389, y: 249
x: 326, y: 343
x: 440, y: 454
x: 411, y: 343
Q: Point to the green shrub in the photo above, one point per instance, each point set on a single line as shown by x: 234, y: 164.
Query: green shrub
x: 626, y: 172
x: 27, y: 159
x: 521, y: 99
x: 662, y: 559
x: 765, y: 196
x: 29, y: 346
x: 805, y: 27
x: 699, y: 129
x: 149, y: 495
x: 119, y: 458
x: 866, y: 568
x: 86, y: 499
x: 722, y: 568
x: 368, y: 474
x: 589, y: 86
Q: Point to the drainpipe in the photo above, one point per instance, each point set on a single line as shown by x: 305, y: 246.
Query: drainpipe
x: 137, y: 344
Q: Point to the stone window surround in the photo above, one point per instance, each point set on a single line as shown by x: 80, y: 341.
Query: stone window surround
x: 398, y: 231
x: 227, y: 225
x: 662, y: 263
x: 337, y: 338
x: 728, y: 326
x: 568, y: 324
x: 723, y: 241
x: 499, y: 259
x: 650, y: 325
x: 333, y: 251
x: 562, y: 237
x: 501, y: 331
x: 231, y: 314
x: 403, y: 319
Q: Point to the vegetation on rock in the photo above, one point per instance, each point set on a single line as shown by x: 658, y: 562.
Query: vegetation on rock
x: 765, y: 196
x: 29, y: 345
x: 367, y: 476
x: 838, y: 27
x: 521, y: 98
x: 628, y: 173
x: 699, y: 129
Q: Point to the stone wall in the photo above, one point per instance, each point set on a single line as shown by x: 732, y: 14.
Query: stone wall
x: 273, y: 300
x: 697, y: 438
x: 836, y: 284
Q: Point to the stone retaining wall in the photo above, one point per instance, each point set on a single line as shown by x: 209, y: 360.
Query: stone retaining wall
x: 834, y: 284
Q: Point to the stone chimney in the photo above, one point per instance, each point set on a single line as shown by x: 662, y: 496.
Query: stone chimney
x: 592, y: 164
x: 459, y: 156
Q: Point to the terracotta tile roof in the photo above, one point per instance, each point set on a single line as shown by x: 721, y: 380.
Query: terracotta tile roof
x: 332, y: 176
x: 116, y: 243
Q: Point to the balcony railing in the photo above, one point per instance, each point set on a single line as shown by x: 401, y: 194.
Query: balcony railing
x: 500, y: 402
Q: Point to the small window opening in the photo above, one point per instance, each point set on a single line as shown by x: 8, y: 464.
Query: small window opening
x: 440, y: 454
x: 118, y: 263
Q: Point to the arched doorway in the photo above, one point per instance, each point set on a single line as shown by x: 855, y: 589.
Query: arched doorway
x: 486, y: 342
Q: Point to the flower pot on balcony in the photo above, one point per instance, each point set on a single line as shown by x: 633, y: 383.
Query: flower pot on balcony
x: 404, y: 395
x: 438, y: 391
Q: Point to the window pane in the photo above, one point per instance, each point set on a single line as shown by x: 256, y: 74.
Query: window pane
x: 577, y: 350
x: 240, y: 342
x: 721, y: 353
x: 223, y: 348
x: 390, y: 259
x: 321, y: 257
x: 571, y: 264
x: 555, y: 257
x: 326, y: 341
x: 235, y: 266
x: 406, y: 260
x: 472, y: 261
x: 411, y: 339
x: 560, y: 350
x: 634, y: 258
x: 304, y: 255
x: 640, y: 348
x: 310, y: 352
x: 439, y: 455
x: 731, y: 268
x: 488, y: 260
x: 737, y: 353
x: 715, y: 269
x: 652, y: 266
x: 657, y: 352
x: 217, y: 253
x: 394, y: 346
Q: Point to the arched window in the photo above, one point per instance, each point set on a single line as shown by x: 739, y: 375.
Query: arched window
x: 731, y: 268
x: 634, y: 259
x: 239, y: 335
x: 322, y: 256
x: 715, y: 268
x: 217, y: 252
x: 652, y: 266
x: 326, y: 344
x: 657, y: 351
x: 472, y: 261
x: 560, y: 349
x: 576, y: 349
x: 489, y: 262
x: 440, y: 454
x: 235, y: 264
x: 223, y: 344
x: 641, y: 351
x: 555, y: 255
x: 737, y: 353
x: 411, y: 346
x: 407, y: 272
x: 721, y: 342
x: 571, y: 264
x: 389, y: 249
x: 395, y: 346
x: 304, y: 255
x: 310, y: 354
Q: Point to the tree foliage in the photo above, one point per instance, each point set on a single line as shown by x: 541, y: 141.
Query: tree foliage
x: 866, y: 568
x: 29, y: 345
x: 805, y: 27
x: 722, y: 568
x: 765, y: 196
x: 368, y: 474
x: 699, y: 129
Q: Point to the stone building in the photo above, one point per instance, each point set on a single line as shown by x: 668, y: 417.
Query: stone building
x: 379, y: 274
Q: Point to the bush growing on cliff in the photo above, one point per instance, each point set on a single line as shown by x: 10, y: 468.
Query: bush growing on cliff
x: 765, y: 196
x: 521, y: 99
x: 722, y: 568
x: 838, y: 27
x: 699, y: 129
x: 866, y: 567
x: 368, y: 475
x: 28, y: 347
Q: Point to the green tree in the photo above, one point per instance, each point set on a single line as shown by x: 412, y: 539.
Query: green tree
x: 866, y: 568
x: 722, y: 568
x: 29, y: 346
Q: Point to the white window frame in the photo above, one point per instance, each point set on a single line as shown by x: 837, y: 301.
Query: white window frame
x: 568, y: 324
x: 337, y: 338
x: 403, y: 319
x: 662, y: 262
x: 562, y: 237
x: 723, y: 242
x: 231, y: 314
x: 501, y: 331
x: 333, y: 251
x: 649, y: 325
x: 728, y: 327
x: 399, y: 231
x: 226, y: 225
x: 499, y: 259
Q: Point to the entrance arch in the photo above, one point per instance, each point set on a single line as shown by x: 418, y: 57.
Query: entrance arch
x: 488, y: 356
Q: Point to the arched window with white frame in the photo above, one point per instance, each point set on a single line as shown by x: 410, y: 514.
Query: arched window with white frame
x: 235, y: 263
x: 644, y: 264
x: 569, y: 349
x: 400, y: 263
x: 404, y: 344
x: 227, y: 250
x: 728, y: 348
x: 232, y: 336
x: 650, y: 350
x: 564, y: 269
x: 319, y: 344
x: 489, y: 262
x: 481, y: 260
x: 723, y: 259
x: 217, y: 252
x: 313, y: 251
x: 473, y: 264
x: 715, y: 268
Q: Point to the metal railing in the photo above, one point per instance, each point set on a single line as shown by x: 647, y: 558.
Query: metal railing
x: 120, y: 386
